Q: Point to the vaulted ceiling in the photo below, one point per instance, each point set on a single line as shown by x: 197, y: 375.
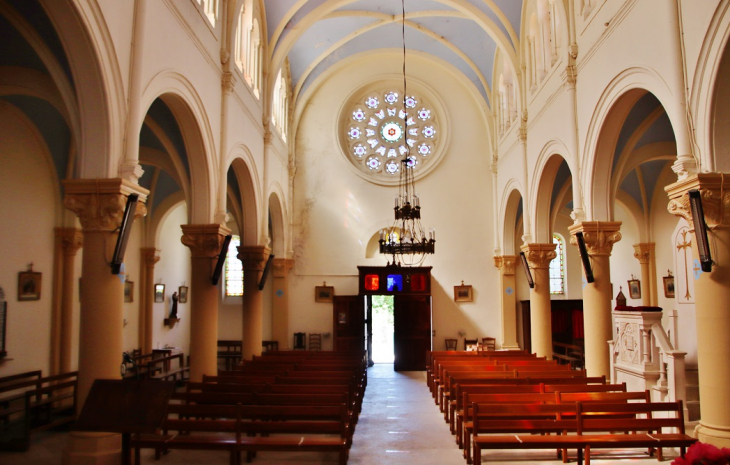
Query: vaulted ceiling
x: 317, y: 34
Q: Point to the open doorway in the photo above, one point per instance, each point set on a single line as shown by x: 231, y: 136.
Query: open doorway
x: 382, y: 307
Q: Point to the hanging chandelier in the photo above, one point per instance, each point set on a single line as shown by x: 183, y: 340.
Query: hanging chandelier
x: 406, y: 241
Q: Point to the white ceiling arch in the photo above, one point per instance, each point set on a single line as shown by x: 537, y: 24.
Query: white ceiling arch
x: 315, y: 35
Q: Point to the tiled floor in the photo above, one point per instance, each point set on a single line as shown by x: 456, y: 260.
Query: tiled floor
x: 400, y: 424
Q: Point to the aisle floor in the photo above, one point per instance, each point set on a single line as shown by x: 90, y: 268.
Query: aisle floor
x: 399, y: 424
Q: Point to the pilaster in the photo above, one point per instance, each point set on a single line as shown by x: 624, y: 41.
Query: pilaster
x: 68, y: 242
x: 205, y: 242
x: 508, y: 303
x: 597, y: 299
x: 645, y: 254
x: 712, y: 290
x: 150, y: 256
x: 538, y: 258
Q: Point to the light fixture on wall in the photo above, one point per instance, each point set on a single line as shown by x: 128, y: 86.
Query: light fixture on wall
x: 406, y: 240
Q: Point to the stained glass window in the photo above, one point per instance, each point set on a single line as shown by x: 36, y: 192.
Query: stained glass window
x: 557, y: 267
x: 381, y: 128
x: 234, y: 269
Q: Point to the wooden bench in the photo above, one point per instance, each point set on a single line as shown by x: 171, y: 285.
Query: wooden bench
x: 12, y: 389
x: 590, y: 417
x: 235, y: 430
x: 162, y: 368
x: 457, y: 404
x: 50, y: 403
x: 470, y: 416
x: 569, y: 354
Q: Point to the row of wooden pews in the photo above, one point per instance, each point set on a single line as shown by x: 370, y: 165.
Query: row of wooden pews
x: 515, y: 400
x: 31, y: 402
x: 282, y: 401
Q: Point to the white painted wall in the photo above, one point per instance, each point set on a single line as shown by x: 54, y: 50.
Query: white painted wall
x: 336, y: 212
x: 29, y: 187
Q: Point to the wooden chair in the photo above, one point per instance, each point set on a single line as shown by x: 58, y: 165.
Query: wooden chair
x: 269, y: 346
x: 489, y: 343
x: 315, y: 341
x: 451, y: 344
x: 470, y: 343
x: 299, y: 341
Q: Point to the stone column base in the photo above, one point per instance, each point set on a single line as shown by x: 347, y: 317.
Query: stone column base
x: 715, y: 435
x: 93, y: 449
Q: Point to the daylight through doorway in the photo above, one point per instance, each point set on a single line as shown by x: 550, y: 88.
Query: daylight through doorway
x: 382, y: 307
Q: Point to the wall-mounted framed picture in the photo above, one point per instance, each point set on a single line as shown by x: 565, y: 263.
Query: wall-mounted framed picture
x: 634, y: 288
x: 159, y: 292
x: 128, y: 291
x: 342, y: 318
x: 669, y: 286
x: 29, y: 285
x: 324, y: 294
x: 463, y: 293
x: 182, y: 294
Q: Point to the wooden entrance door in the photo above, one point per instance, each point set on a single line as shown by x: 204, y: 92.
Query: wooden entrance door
x: 348, y: 323
x: 412, y: 332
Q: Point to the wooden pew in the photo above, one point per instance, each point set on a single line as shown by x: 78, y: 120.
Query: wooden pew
x: 162, y: 368
x: 12, y: 389
x: 50, y: 403
x: 589, y: 417
x: 471, y: 417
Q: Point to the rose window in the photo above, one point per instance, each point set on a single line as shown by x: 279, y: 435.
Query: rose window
x: 383, y: 128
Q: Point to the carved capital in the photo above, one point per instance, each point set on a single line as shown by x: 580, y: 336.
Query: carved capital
x: 253, y: 257
x: 72, y: 239
x: 539, y: 255
x: 100, y: 203
x: 715, y: 198
x: 225, y: 56
x: 643, y: 252
x: 599, y: 235
x: 204, y: 240
x: 281, y: 267
x: 506, y: 264
x: 150, y: 256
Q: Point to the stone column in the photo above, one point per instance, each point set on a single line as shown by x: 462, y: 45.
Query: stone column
x: 205, y: 242
x: 72, y: 240
x: 99, y: 204
x: 599, y: 237
x: 644, y: 253
x: 712, y: 292
x: 539, y: 257
x: 253, y: 259
x: 280, y: 310
x: 508, y: 301
x: 150, y: 256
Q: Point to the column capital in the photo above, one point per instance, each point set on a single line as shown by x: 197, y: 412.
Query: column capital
x: 204, y: 240
x: 715, y: 198
x: 642, y: 252
x: 539, y: 255
x: 150, y: 255
x: 100, y: 203
x: 253, y: 257
x: 505, y: 263
x: 72, y: 239
x: 599, y: 235
x: 281, y: 267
